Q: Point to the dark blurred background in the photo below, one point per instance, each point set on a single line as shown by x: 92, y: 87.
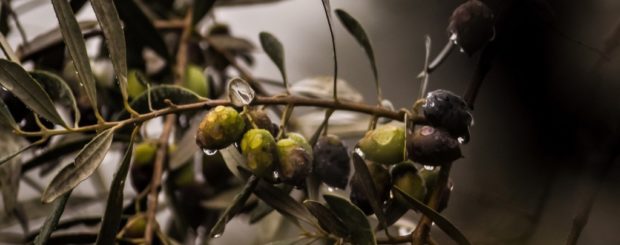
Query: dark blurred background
x: 546, y: 118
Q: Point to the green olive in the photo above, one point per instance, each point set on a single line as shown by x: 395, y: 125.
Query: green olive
x: 259, y: 147
x: 221, y: 127
x: 384, y: 145
x: 135, y: 227
x: 134, y: 85
x: 196, y: 81
x: 405, y: 176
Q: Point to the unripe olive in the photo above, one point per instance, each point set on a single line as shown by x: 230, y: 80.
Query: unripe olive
x: 196, y: 81
x: 432, y: 146
x: 294, y: 159
x: 405, y: 176
x: 381, y: 179
x: 331, y: 161
x: 261, y: 120
x: 384, y: 144
x: 143, y: 161
x: 259, y: 147
x: 134, y: 85
x: 471, y: 24
x: 221, y: 127
x: 444, y: 109
x: 430, y: 178
x: 135, y: 227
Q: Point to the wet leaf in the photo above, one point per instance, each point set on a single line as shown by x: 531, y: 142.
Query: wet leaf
x: 138, y: 23
x: 63, y: 147
x: 86, y: 162
x: 356, y: 29
x: 262, y: 209
x: 77, y: 48
x: 7, y: 49
x: 283, y: 203
x: 368, y: 187
x: 114, y: 207
x: 15, y: 79
x: 439, y: 220
x: 115, y: 39
x: 235, y: 207
x: 186, y: 146
x: 327, y: 219
x: 201, y: 8
x: 6, y: 118
x: 58, y: 90
x: 52, y: 220
x: 176, y: 94
x: 274, y: 49
x: 233, y: 159
x: 353, y: 218
x: 240, y: 92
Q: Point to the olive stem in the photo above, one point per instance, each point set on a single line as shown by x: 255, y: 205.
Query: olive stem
x: 286, y: 115
x: 420, y: 235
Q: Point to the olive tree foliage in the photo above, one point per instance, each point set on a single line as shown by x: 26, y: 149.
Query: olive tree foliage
x: 231, y: 144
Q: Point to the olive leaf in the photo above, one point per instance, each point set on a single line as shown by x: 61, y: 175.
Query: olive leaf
x: 262, y: 209
x: 114, y: 206
x: 327, y: 219
x: 58, y: 90
x: 15, y: 79
x: 439, y: 220
x: 139, y: 24
x: 283, y: 203
x: 115, y: 39
x: 357, y: 31
x: 233, y: 159
x: 7, y: 49
x: 6, y: 118
x: 66, y: 145
x: 77, y: 49
x: 353, y: 218
x: 9, y: 172
x: 158, y: 95
x: 368, y: 187
x: 86, y: 162
x: 52, y: 220
x: 186, y: 146
x: 274, y: 49
x: 52, y: 38
x: 201, y: 8
x: 235, y: 207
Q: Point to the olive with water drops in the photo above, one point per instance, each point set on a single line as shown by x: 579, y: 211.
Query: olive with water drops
x: 432, y: 146
x: 221, y: 127
x: 405, y: 176
x: 294, y: 159
x: 444, y: 109
x: 259, y: 148
x: 382, y: 181
x: 472, y: 26
x: 384, y: 144
x: 331, y: 161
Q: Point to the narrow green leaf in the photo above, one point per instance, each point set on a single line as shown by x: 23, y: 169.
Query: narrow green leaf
x: 262, y: 209
x: 9, y: 169
x: 52, y: 39
x: 15, y: 79
x: 138, y: 23
x: 274, y: 49
x: 368, y: 187
x: 439, y: 220
x: 65, y: 146
x: 114, y: 207
x: 176, y: 94
x: 6, y: 118
x: 356, y: 29
x: 283, y: 203
x: 86, y: 162
x: 327, y: 219
x: 77, y: 48
x: 58, y: 90
x: 201, y: 8
x: 8, y: 50
x: 233, y: 159
x: 353, y: 218
x: 235, y: 207
x: 115, y: 39
x: 186, y: 146
x: 52, y: 220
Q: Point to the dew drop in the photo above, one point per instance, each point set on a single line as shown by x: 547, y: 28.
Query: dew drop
x: 216, y: 235
x: 276, y: 175
x: 209, y: 152
x: 461, y: 140
x: 429, y: 168
x: 403, y: 231
x: 462, y: 50
x: 330, y: 189
x: 359, y: 151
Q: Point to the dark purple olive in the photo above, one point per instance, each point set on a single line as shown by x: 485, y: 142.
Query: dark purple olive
x: 332, y: 162
x: 471, y: 25
x: 444, y: 109
x: 432, y: 146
